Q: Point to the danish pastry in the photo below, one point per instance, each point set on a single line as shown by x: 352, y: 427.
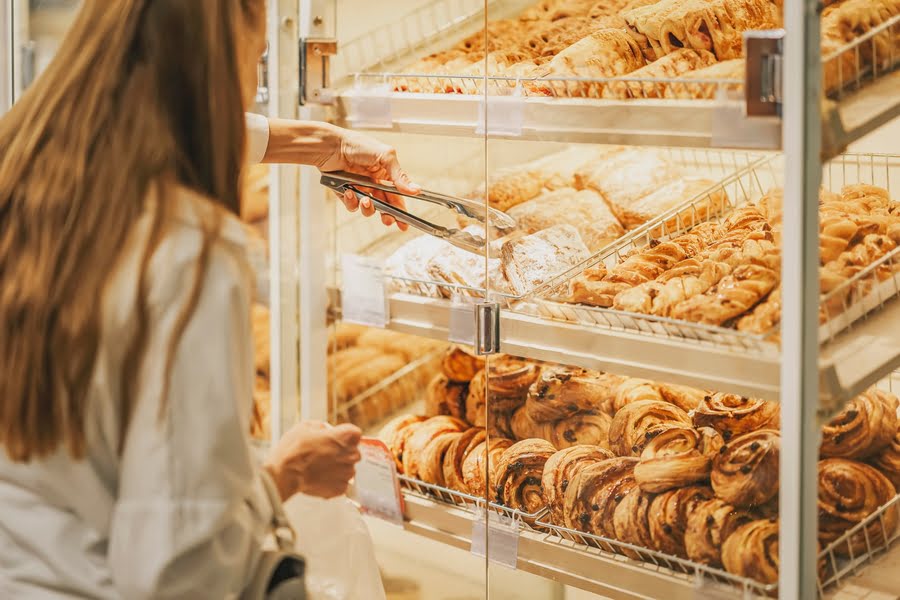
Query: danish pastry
x: 638, y: 423
x: 745, y: 471
x: 668, y: 517
x: 866, y: 426
x: 677, y: 457
x: 733, y: 415
x: 709, y: 526
x: 594, y: 493
x: 519, y: 472
x: 752, y: 551
x: 560, y: 470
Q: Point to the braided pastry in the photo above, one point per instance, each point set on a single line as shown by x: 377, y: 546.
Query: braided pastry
x: 397, y: 432
x: 560, y: 469
x: 583, y: 428
x: 752, y: 551
x: 445, y: 397
x: 687, y: 279
x: 671, y: 66
x: 482, y: 457
x: 414, y: 453
x: 850, y: 491
x: 888, y: 461
x: 562, y: 392
x: 745, y: 472
x: 594, y: 493
x: 733, y: 415
x: 631, y: 522
x: 846, y: 266
x: 708, y: 527
x: 636, y: 424
x: 733, y: 296
x: 677, y: 457
x: 456, y: 455
x: 519, y: 472
x: 764, y: 317
x: 634, y: 390
x: 461, y: 365
x: 669, y: 514
x: 865, y: 427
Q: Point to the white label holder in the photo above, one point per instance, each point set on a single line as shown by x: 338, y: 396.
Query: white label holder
x: 364, y: 300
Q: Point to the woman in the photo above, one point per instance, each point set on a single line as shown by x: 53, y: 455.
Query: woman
x: 125, y: 357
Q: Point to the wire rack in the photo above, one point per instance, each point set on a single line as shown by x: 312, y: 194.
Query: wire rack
x: 865, y: 59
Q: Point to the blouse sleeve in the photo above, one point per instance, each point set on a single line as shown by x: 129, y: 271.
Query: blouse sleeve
x: 257, y: 138
x: 191, y: 513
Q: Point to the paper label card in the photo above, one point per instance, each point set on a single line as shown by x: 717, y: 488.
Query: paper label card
x: 369, y: 106
x: 462, y: 320
x: 377, y: 487
x: 498, y: 541
x: 364, y: 300
x: 504, y: 115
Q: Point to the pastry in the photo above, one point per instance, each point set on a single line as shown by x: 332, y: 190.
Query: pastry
x: 634, y: 390
x: 734, y: 295
x: 702, y: 194
x: 733, y: 415
x: 534, y: 259
x: 560, y: 469
x: 431, y: 462
x: 846, y: 21
x: 506, y: 383
x: 866, y: 426
x: 557, y: 170
x: 396, y: 433
x: 343, y: 335
x: 480, y: 466
x: 765, y: 317
x: 684, y: 397
x: 562, y: 392
x: 671, y: 66
x: 639, y: 422
x: 410, y: 347
x: 752, y: 551
x: 706, y: 83
x: 476, y: 403
x: 460, y: 364
x: 668, y: 517
x: 888, y: 460
x: 835, y: 274
x: 351, y: 383
x: 523, y: 427
x: 462, y: 272
x: 424, y: 434
x: 631, y: 523
x: 745, y: 471
x: 849, y: 492
x: 456, y: 455
x: 519, y: 472
x: 709, y: 526
x: 262, y: 341
x: 594, y: 492
x: 509, y: 188
x: 583, y: 428
x: 445, y: 397
x: 677, y: 457
x: 407, y: 267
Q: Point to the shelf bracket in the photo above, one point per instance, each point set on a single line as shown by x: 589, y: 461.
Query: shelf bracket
x: 315, y: 70
x: 487, y: 328
x: 763, y: 88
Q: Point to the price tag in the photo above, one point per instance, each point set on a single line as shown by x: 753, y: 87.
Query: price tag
x: 504, y: 115
x: 364, y: 300
x: 462, y: 320
x: 501, y: 536
x: 376, y: 485
x: 370, y: 106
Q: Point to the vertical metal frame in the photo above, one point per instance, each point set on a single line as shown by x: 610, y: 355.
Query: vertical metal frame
x: 800, y: 280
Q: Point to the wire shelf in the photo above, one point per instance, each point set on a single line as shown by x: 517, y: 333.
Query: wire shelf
x: 862, y: 61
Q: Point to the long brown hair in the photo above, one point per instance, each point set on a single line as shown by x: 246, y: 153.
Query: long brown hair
x: 143, y: 95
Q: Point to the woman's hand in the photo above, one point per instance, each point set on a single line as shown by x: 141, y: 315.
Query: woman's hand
x: 315, y: 459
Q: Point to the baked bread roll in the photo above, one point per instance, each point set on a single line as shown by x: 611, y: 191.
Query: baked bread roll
x: 482, y: 457
x: 677, y: 457
x: 636, y: 424
x: 631, y: 521
x: 709, y: 526
x: 745, y: 472
x: 888, y: 461
x: 414, y: 451
x: 866, y: 426
x: 456, y: 455
x: 519, y: 472
x: 397, y: 432
x: 560, y: 470
x: 445, y: 397
x: 562, y: 392
x: 583, y: 428
x: 669, y: 514
x: 535, y: 259
x: 752, y: 551
x: 460, y: 364
x: 850, y: 491
x: 733, y: 415
x: 594, y: 493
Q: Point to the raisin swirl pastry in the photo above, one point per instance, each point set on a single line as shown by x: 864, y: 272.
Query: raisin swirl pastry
x: 519, y: 472
x: 677, y: 457
x: 456, y: 455
x: 888, y: 461
x: 865, y: 426
x: 560, y: 469
x: 431, y: 463
x: 639, y: 422
x: 634, y: 390
x: 584, y: 428
x: 745, y: 471
x: 850, y: 491
x: 562, y: 392
x: 396, y: 433
x: 414, y: 454
x: 733, y: 415
x: 752, y: 551
x: 631, y: 521
x: 524, y: 428
x: 709, y: 526
x: 460, y: 365
x: 484, y: 456
x: 509, y: 380
x: 445, y: 397
x: 669, y: 514
x: 594, y: 493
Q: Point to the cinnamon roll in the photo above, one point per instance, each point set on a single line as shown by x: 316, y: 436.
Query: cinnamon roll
x: 431, y: 462
x: 745, y: 471
x: 639, y: 422
x: 631, y: 523
x: 524, y: 428
x: 519, y: 472
x: 508, y: 382
x: 634, y: 390
x: 561, y: 392
x: 456, y: 455
x: 445, y: 397
x: 396, y: 433
x: 584, y: 428
x: 865, y: 427
x: 594, y: 493
x: 460, y: 364
x: 733, y: 415
x: 677, y: 457
x: 560, y: 469
x: 669, y: 514
x: 850, y: 491
x: 752, y: 551
x: 708, y: 527
x: 484, y: 456
x: 888, y: 461
x: 414, y: 451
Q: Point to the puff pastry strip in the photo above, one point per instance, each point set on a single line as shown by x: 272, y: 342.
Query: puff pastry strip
x: 671, y: 66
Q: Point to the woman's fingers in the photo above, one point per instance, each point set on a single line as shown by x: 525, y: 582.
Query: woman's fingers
x: 350, y: 200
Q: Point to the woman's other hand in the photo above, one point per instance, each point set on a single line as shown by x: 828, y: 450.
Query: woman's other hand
x: 315, y: 459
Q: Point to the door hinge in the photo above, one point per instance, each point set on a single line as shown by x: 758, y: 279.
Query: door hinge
x: 315, y: 70
x: 764, y: 76
x: 487, y: 328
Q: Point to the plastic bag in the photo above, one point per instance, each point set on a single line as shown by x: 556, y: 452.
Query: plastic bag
x: 340, y: 556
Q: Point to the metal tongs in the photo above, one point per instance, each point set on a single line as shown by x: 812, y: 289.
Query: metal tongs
x: 341, y: 181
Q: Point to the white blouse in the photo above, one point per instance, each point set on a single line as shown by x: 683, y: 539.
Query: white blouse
x: 181, y: 513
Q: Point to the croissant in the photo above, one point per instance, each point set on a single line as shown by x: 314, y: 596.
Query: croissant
x: 583, y: 428
x: 636, y: 424
x: 677, y: 457
x: 752, y: 551
x: 480, y: 466
x: 888, y: 461
x: 631, y: 521
x: 594, y: 493
x: 634, y: 390
x: 461, y: 365
x: 444, y: 397
x: 456, y: 455
x: 849, y: 492
x: 733, y: 415
x: 414, y: 454
x: 519, y: 472
x: 669, y: 514
x: 865, y: 427
x: 836, y: 230
x: 396, y: 434
x: 560, y: 469
x: 562, y: 392
x: 745, y: 472
x: 708, y: 527
x: 671, y: 66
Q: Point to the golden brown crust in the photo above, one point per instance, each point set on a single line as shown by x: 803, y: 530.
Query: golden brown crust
x: 343, y: 335
x: 669, y: 514
x: 431, y: 463
x: 684, y: 397
x: 414, y: 451
x: 888, y: 461
x: 733, y: 415
x: 745, y: 472
x: 562, y: 392
x: 519, y: 472
x: 630, y: 520
x: 866, y: 426
x: 485, y: 455
x: 396, y: 433
x: 560, y: 470
x: 444, y: 397
x: 734, y: 295
x: 708, y: 527
x: 671, y: 66
x: 677, y: 457
x: 752, y: 551
x: 459, y: 364
x: 583, y: 428
x: 456, y: 455
x: 634, y: 390
x: 636, y: 424
x: 594, y: 493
